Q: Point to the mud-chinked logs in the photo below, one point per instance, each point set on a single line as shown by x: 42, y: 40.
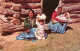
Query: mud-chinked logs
x: 14, y: 11
x: 28, y: 1
x: 73, y: 7
x: 71, y: 1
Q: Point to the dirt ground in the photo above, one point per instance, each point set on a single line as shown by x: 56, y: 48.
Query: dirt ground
x: 55, y: 42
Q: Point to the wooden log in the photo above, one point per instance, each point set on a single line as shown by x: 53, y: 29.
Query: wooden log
x: 17, y: 7
x: 1, y: 21
x: 16, y: 1
x: 22, y: 19
x: 31, y: 5
x: 7, y: 0
x: 28, y: 1
x: 25, y: 6
x: 24, y: 12
x: 1, y: 2
x: 75, y: 12
x: 71, y: 8
x: 8, y: 5
x: 11, y: 12
x: 41, y: 6
x: 71, y: 1
x: 16, y: 16
x: 37, y: 11
x: 74, y: 15
x: 70, y: 4
x: 3, y: 10
x: 1, y: 27
x: 33, y: 1
x: 15, y: 21
x: 14, y: 30
x: 10, y: 18
x: 75, y: 20
x: 3, y: 18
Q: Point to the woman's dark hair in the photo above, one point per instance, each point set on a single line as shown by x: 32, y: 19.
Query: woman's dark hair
x: 59, y: 7
x: 30, y: 10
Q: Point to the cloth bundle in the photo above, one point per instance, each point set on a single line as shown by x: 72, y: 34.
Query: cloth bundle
x: 40, y: 32
x: 64, y: 18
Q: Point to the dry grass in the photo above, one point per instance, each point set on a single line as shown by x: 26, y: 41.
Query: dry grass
x: 70, y: 41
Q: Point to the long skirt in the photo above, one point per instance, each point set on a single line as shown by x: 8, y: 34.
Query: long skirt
x: 57, y: 27
x: 28, y: 36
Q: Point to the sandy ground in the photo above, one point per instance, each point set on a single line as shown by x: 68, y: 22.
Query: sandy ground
x: 9, y: 42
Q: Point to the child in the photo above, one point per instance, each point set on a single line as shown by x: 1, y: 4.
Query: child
x: 64, y: 17
x: 40, y: 32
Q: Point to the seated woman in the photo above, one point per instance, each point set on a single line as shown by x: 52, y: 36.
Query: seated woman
x: 57, y: 23
x: 64, y: 17
x: 40, y: 32
x: 30, y: 26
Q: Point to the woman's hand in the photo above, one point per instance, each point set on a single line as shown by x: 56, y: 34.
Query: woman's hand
x: 38, y: 18
x: 61, y: 21
x: 53, y: 22
x: 28, y: 31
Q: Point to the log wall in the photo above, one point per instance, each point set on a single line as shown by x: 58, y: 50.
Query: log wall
x: 11, y: 7
x: 73, y: 7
